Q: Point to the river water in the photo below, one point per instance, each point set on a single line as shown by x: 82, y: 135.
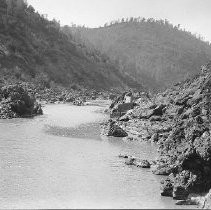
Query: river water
x: 59, y: 160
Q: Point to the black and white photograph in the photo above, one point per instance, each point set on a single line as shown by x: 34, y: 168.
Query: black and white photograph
x: 105, y: 104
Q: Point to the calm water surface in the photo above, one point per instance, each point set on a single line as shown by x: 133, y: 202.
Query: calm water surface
x: 59, y: 160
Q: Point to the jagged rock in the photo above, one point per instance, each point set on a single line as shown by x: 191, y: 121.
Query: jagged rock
x: 116, y: 131
x: 143, y: 164
x: 18, y: 103
x: 166, y: 188
x: 178, y: 120
x: 180, y: 193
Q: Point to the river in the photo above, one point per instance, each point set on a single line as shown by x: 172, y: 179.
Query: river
x: 59, y: 160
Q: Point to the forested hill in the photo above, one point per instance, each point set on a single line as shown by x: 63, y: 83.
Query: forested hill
x: 154, y: 51
x: 33, y: 48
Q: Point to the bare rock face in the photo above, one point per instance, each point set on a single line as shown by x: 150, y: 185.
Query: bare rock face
x: 185, y: 152
x: 16, y: 102
x: 178, y: 120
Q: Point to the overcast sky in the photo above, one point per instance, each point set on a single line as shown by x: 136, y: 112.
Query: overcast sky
x: 194, y: 15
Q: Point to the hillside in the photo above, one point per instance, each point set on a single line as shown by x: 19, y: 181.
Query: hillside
x: 35, y: 49
x: 153, y: 51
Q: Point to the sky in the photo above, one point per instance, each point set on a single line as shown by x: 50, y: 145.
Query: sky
x: 193, y: 15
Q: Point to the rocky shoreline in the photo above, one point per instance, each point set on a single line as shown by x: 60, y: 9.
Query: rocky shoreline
x: 26, y: 99
x: 178, y: 121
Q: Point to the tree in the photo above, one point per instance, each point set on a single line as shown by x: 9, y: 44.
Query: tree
x: 15, y: 7
x: 31, y: 9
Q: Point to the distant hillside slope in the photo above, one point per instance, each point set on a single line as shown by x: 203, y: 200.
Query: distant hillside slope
x: 155, y: 52
x: 34, y: 48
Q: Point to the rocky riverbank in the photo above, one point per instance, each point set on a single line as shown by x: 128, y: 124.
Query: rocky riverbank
x: 76, y: 96
x: 23, y: 99
x: 178, y: 121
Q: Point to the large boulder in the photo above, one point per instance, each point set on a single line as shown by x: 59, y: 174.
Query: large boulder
x: 143, y: 164
x: 17, y: 102
x: 116, y: 131
x: 166, y: 187
x: 180, y: 193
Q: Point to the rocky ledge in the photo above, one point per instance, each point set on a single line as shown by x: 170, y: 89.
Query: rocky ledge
x: 178, y: 121
x: 15, y: 102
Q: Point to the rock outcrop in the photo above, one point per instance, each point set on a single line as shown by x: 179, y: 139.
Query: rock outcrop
x: 188, y: 146
x: 16, y: 102
x: 178, y: 121
x: 134, y: 161
x: 112, y: 129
